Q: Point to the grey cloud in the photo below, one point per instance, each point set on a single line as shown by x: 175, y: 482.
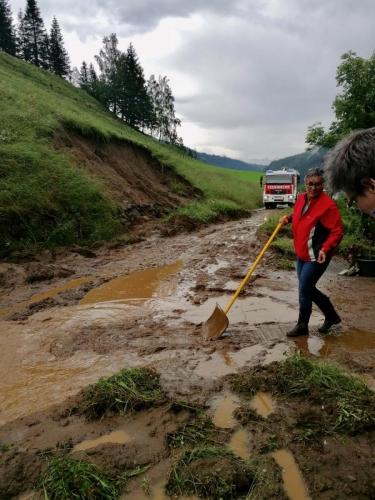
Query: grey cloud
x: 272, y: 73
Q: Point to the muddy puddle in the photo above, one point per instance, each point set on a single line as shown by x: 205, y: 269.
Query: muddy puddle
x: 239, y: 444
x: 141, y: 285
x: 226, y: 362
x: 52, y: 292
x: 115, y: 437
x: 294, y: 483
x: 224, y: 407
x: 353, y: 341
x: 263, y: 404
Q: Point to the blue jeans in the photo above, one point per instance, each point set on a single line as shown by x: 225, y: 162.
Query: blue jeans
x: 309, y: 274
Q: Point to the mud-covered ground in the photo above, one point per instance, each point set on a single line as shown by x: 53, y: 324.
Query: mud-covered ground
x: 71, y: 317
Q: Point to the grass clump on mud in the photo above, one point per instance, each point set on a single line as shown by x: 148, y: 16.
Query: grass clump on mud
x: 343, y: 403
x: 210, y: 472
x: 67, y: 478
x: 130, y: 389
x: 199, y: 431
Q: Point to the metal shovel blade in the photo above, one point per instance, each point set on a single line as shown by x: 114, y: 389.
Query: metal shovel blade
x: 216, y: 324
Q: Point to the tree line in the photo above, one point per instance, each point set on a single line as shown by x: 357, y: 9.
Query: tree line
x: 122, y: 88
x: 31, y: 41
x: 120, y: 84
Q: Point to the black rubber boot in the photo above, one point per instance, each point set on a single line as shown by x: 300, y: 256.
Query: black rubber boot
x: 328, y: 323
x: 301, y: 327
x: 330, y: 315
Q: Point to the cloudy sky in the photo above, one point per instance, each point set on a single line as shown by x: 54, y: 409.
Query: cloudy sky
x: 249, y: 76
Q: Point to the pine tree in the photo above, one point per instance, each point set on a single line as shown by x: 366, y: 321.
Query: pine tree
x: 7, y: 34
x: 58, y: 56
x: 83, y: 75
x: 92, y: 76
x: 135, y: 103
x: 34, y: 43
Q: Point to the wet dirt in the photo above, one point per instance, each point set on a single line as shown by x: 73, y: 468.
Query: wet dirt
x: 157, y: 294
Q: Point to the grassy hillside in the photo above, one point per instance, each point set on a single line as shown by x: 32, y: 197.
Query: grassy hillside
x: 301, y: 162
x: 47, y: 200
x: 225, y: 162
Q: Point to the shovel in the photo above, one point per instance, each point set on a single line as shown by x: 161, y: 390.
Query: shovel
x: 218, y: 322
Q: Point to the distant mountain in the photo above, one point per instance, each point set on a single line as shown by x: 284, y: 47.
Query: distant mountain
x: 225, y: 162
x: 301, y: 162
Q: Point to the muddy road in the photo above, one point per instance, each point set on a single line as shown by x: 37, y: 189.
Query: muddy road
x: 69, y: 318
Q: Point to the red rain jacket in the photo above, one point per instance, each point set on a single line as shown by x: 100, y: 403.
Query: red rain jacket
x: 320, y: 227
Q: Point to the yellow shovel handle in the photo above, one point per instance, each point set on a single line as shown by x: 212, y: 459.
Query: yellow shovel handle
x: 252, y: 268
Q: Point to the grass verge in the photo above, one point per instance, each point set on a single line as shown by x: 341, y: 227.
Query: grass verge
x: 130, y: 389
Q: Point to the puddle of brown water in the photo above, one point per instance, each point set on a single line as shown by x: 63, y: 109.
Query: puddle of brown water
x: 116, y: 437
x: 353, y: 340
x: 239, y: 444
x: 263, y: 404
x: 224, y: 407
x: 294, y: 484
x: 250, y: 310
x: 222, y: 364
x: 52, y: 292
x: 139, y: 285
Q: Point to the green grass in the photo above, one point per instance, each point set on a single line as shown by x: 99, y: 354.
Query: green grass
x: 210, y: 472
x: 129, y: 390
x: 196, y: 432
x: 68, y: 479
x: 344, y: 402
x: 46, y: 200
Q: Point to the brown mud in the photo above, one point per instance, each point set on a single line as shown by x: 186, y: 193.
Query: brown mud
x: 69, y: 318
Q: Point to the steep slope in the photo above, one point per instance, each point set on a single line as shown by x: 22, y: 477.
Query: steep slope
x: 70, y: 170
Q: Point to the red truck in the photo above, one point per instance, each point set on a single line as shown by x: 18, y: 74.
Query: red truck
x: 280, y: 187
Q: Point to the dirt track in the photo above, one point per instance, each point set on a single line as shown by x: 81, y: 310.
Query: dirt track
x: 52, y: 344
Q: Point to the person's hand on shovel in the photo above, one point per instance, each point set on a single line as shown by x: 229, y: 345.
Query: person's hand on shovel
x: 285, y: 219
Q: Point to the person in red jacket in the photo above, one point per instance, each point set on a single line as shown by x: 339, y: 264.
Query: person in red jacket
x: 317, y: 231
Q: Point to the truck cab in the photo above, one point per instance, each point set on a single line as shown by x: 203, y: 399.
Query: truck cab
x: 280, y: 187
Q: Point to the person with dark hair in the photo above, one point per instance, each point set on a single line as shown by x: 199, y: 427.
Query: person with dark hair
x: 317, y: 231
x: 350, y: 167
